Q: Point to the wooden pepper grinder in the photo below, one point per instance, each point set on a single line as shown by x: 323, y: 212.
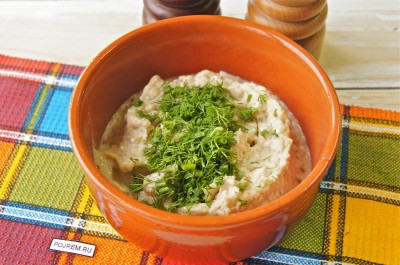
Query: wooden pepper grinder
x: 301, y: 20
x: 161, y: 9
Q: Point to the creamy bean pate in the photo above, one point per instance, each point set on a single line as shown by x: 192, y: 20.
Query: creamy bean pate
x: 199, y: 153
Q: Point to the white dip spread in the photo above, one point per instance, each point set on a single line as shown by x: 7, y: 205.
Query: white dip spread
x: 271, y: 154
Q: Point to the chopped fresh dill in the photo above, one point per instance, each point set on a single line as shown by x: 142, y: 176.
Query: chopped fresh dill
x: 137, y: 102
x: 138, y: 174
x: 151, y: 117
x: 275, y: 113
x: 265, y: 133
x: 246, y: 114
x: 249, y: 96
x: 242, y: 186
x: 262, y: 98
x: 274, y: 133
x: 242, y: 202
x: 192, y: 143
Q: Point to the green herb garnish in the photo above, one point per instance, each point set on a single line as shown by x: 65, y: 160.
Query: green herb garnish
x: 242, y: 202
x: 246, y: 114
x: 262, y: 98
x: 243, y: 186
x: 265, y: 133
x: 192, y: 143
x: 137, y: 102
x: 249, y: 96
x: 151, y: 117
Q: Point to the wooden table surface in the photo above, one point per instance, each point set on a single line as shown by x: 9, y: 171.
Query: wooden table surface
x: 361, y: 51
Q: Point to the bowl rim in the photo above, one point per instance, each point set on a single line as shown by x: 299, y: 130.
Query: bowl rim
x: 168, y: 218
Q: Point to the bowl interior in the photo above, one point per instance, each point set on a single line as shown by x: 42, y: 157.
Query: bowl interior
x: 185, y: 46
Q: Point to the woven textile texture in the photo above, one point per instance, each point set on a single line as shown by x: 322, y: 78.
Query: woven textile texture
x: 355, y: 218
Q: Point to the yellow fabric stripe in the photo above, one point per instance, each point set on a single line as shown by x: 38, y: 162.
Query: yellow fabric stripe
x: 82, y: 204
x: 371, y: 231
x: 4, y: 189
x: 42, y: 97
x: 151, y: 259
x: 94, y: 210
x: 99, y: 228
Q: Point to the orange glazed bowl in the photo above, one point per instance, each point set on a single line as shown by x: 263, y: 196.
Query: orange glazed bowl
x: 186, y: 45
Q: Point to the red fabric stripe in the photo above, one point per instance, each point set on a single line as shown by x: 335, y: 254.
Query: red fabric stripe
x: 26, y: 244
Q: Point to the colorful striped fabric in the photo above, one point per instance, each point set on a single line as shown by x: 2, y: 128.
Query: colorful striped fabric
x: 355, y: 218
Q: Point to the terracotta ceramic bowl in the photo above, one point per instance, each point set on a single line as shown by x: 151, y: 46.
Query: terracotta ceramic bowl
x: 187, y: 45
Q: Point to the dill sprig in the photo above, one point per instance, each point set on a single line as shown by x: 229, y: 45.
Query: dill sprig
x: 192, y: 142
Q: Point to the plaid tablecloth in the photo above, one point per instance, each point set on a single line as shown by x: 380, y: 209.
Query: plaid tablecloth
x: 355, y: 218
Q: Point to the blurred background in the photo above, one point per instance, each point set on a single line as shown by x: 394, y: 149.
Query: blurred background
x: 360, y: 51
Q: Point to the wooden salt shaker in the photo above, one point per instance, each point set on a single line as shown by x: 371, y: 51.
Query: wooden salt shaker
x: 161, y: 9
x: 301, y: 20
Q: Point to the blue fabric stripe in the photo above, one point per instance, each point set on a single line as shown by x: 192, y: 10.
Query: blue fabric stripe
x: 52, y: 135
x: 345, y: 148
x: 279, y: 255
x: 343, y: 179
x: 330, y: 175
x: 55, y: 119
x: 53, y: 147
x: 30, y: 214
x: 272, y: 257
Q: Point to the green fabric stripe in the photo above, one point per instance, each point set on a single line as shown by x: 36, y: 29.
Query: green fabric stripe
x: 373, y: 159
x: 311, y: 227
x: 49, y: 178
